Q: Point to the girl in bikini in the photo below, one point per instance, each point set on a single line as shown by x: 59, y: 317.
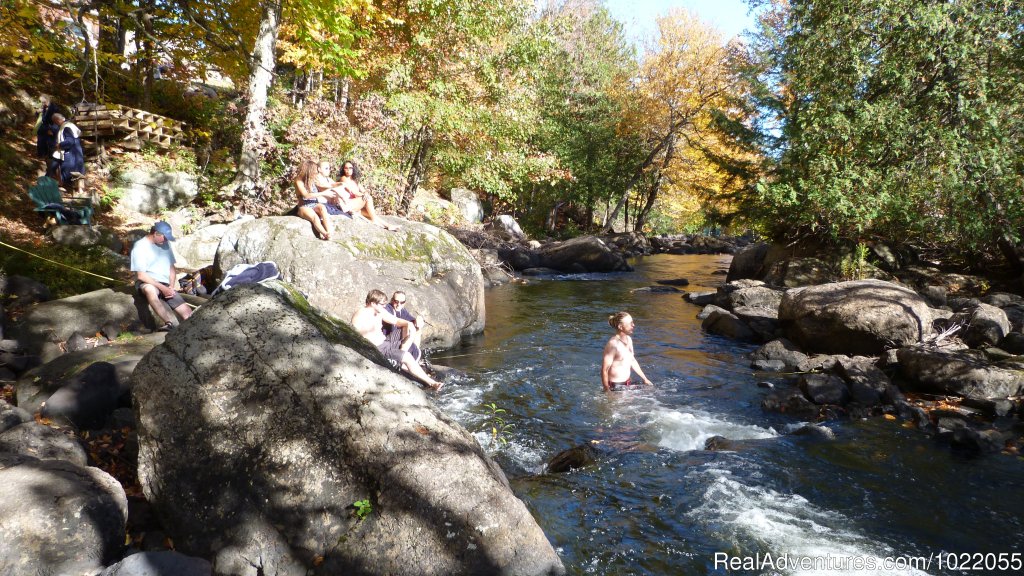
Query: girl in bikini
x: 352, y: 197
x: 312, y: 206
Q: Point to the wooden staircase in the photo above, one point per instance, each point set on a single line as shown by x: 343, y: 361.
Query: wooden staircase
x: 122, y: 122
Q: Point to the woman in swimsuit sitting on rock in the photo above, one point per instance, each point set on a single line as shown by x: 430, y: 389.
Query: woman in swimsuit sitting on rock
x: 353, y: 197
x: 312, y: 203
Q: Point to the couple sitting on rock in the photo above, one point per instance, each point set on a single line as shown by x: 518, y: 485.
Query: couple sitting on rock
x: 320, y: 197
x: 394, y: 331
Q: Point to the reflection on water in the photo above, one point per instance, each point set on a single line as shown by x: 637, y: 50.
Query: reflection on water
x: 656, y: 502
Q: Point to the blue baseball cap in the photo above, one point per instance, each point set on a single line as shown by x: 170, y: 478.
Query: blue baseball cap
x: 165, y: 229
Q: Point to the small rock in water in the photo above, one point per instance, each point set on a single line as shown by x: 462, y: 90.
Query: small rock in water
x: 674, y: 282
x: 656, y: 289
x: 765, y: 365
x: 814, y: 431
x: 576, y: 457
x: 767, y: 385
x: 716, y: 443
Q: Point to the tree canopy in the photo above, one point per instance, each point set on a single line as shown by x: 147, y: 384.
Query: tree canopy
x: 894, y: 119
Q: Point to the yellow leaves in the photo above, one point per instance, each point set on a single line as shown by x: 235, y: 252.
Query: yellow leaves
x: 685, y: 78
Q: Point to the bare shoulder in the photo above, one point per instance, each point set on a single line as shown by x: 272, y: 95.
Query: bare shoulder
x: 613, y: 345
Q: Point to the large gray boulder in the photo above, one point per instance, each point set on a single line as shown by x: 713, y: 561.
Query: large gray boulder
x: 505, y: 226
x: 38, y: 384
x: 755, y: 260
x: 468, y: 204
x: 794, y: 272
x: 41, y: 329
x: 58, y: 518
x: 88, y: 400
x: 85, y: 236
x: 750, y: 293
x: 39, y: 441
x: 860, y: 317
x: 162, y: 563
x: 199, y: 249
x: 583, y: 254
x: 440, y: 276
x: 866, y: 380
x: 725, y: 323
x: 262, y: 421
x: 983, y: 325
x: 154, y: 191
x: 968, y: 373
x: 780, y: 350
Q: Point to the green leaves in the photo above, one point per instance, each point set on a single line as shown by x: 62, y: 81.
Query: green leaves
x: 898, y: 119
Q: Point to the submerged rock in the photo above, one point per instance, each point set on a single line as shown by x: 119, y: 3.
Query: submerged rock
x: 573, y: 458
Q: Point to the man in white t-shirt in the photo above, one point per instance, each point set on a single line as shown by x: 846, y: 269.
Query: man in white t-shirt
x: 155, y: 275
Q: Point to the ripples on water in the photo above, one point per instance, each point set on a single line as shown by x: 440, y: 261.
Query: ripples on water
x: 656, y: 502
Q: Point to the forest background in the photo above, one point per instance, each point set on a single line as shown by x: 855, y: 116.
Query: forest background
x: 834, y: 122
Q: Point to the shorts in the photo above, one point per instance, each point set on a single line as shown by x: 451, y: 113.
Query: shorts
x: 174, y: 301
x: 395, y: 336
x: 335, y: 210
x: 627, y: 385
x: 392, y: 352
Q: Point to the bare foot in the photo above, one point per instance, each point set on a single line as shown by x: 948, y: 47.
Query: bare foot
x: 435, y: 386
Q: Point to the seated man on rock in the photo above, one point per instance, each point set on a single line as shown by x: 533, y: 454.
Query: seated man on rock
x: 153, y: 264
x: 407, y: 336
x: 369, y: 320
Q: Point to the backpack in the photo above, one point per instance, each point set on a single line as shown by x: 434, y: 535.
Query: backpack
x: 247, y: 274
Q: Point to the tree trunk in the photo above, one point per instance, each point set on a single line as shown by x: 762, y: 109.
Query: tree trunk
x: 254, y: 134
x: 645, y: 212
x: 636, y: 178
x: 344, y: 94
x: 417, y: 169
x: 149, y: 60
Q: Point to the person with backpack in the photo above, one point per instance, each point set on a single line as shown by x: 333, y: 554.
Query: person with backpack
x: 69, y: 153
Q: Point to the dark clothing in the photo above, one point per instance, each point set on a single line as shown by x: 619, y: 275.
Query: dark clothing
x: 174, y: 301
x: 627, y: 385
x: 335, y: 210
x: 392, y: 351
x: 46, y: 134
x: 392, y: 332
x: 74, y: 156
x: 332, y: 209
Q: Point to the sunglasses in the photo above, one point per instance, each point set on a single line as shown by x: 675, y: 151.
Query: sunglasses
x: 398, y: 301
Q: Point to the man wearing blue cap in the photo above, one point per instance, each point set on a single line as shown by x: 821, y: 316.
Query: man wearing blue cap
x: 155, y: 275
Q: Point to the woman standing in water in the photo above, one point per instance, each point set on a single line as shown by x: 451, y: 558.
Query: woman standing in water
x: 619, y: 361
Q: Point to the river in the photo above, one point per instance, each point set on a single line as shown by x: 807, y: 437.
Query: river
x: 655, y: 502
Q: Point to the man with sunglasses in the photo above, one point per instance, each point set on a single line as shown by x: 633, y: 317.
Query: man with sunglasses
x: 410, y: 334
x: 368, y: 322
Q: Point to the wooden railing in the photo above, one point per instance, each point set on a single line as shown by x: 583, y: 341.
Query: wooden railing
x: 126, y: 123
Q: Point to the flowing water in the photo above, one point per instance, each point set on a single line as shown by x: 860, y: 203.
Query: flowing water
x: 656, y: 502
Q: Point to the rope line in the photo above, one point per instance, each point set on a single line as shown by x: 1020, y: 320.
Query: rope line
x: 61, y: 264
